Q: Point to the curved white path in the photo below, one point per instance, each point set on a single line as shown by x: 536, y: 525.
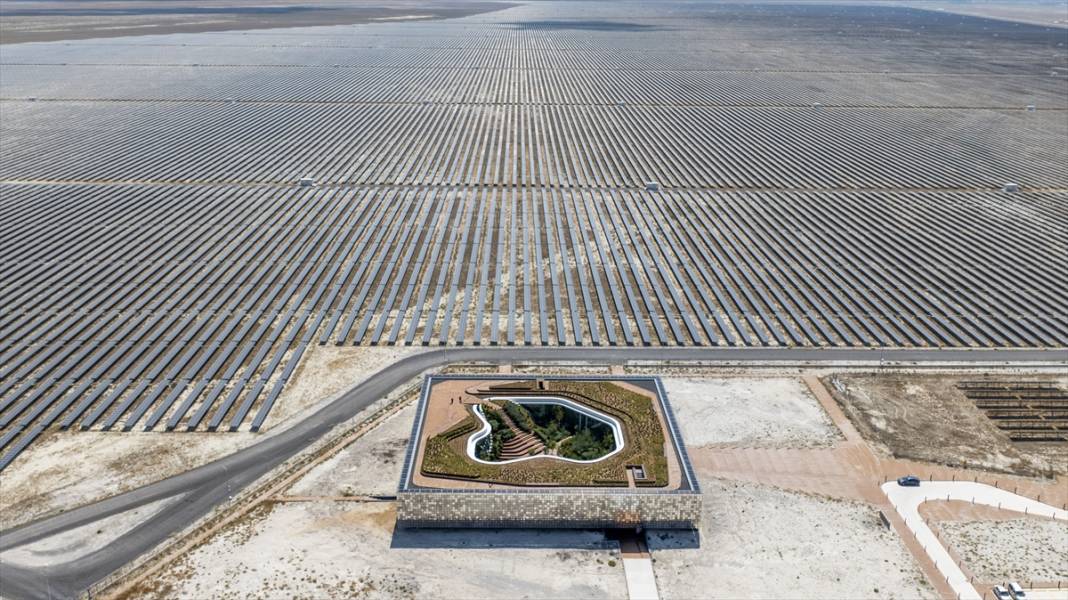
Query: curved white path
x: 907, y: 501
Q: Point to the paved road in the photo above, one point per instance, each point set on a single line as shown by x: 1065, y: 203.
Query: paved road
x: 214, y: 483
x: 907, y: 501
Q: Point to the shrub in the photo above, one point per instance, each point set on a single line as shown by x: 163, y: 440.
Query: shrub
x: 462, y: 428
x: 586, y: 446
x: 519, y: 416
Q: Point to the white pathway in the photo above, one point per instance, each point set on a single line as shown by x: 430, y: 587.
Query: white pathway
x: 641, y: 582
x: 907, y: 501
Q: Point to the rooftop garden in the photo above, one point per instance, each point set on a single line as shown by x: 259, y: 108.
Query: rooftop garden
x: 560, y: 433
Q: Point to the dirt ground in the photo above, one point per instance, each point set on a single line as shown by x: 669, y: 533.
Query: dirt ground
x: 44, y: 480
x: 370, y: 466
x: 325, y: 372
x: 1024, y: 549
x: 349, y: 550
x: 756, y: 412
x: 762, y: 542
x: 46, y: 21
x: 926, y: 418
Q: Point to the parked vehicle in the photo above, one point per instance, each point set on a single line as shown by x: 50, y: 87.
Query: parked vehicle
x: 1017, y: 592
x: 909, y: 481
x: 1001, y: 593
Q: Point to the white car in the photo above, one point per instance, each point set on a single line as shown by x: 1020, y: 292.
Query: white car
x: 1001, y: 593
x: 1017, y: 592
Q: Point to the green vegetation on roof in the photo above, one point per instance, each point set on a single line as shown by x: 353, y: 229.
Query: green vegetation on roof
x: 642, y: 432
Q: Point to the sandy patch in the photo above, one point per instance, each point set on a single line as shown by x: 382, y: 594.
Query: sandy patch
x: 369, y: 466
x: 345, y: 550
x: 1024, y: 549
x: 761, y: 542
x: 326, y: 372
x: 765, y: 412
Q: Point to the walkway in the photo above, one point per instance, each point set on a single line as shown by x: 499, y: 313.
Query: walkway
x: 638, y: 568
x: 907, y: 500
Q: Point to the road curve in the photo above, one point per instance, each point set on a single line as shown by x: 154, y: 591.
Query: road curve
x: 907, y: 501
x: 214, y: 483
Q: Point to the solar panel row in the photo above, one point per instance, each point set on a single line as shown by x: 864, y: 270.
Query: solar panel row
x: 185, y: 303
x: 160, y: 269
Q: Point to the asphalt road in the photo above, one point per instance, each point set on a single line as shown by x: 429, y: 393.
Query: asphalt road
x: 202, y: 489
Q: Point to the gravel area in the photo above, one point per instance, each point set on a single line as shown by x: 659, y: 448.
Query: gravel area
x: 346, y: 550
x: 762, y: 542
x: 766, y: 412
x: 1023, y: 549
x: 370, y: 466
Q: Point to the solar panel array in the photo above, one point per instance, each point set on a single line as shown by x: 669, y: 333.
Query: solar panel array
x: 481, y: 181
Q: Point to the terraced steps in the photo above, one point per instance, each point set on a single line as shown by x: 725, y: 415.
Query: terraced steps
x: 523, y: 444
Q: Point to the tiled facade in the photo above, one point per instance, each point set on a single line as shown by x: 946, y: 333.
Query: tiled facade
x: 550, y: 508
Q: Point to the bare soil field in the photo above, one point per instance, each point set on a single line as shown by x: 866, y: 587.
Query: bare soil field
x: 756, y: 412
x: 45, y: 480
x: 45, y: 21
x: 345, y: 550
x: 762, y: 542
x: 922, y: 417
x: 1024, y: 549
x: 370, y: 466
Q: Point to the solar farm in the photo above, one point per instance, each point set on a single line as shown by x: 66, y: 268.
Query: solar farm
x: 547, y: 174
